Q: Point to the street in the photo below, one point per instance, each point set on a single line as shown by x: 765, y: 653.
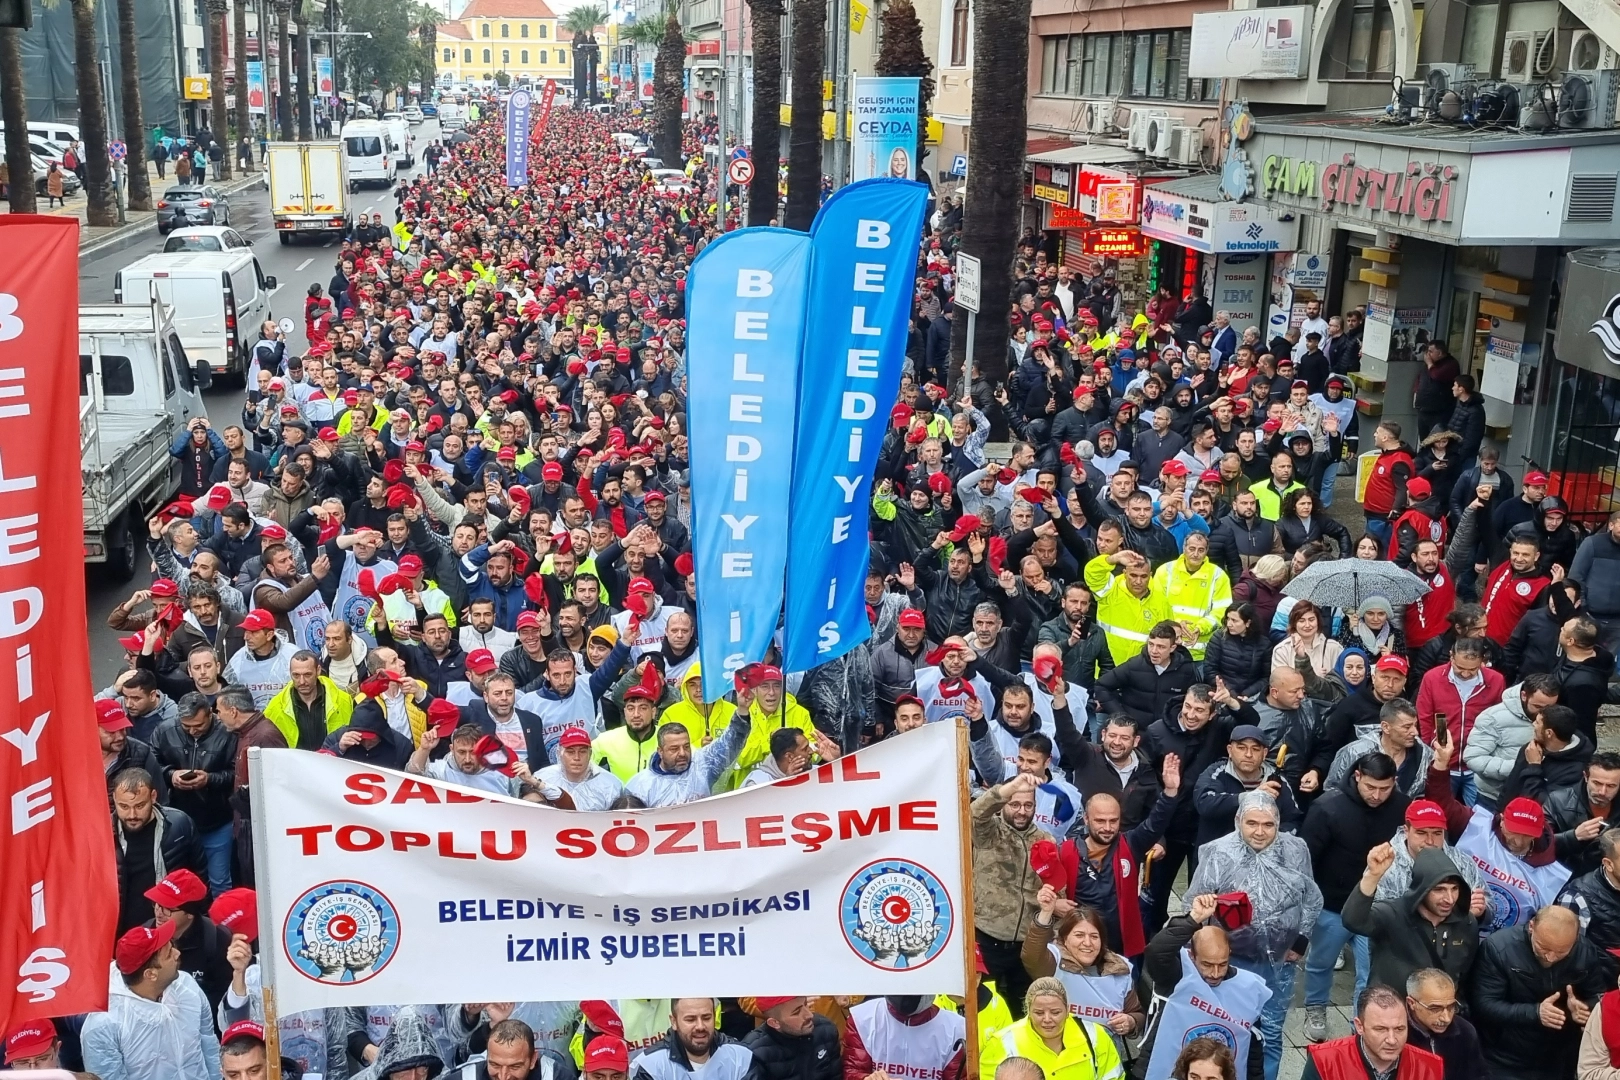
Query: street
x: 294, y: 267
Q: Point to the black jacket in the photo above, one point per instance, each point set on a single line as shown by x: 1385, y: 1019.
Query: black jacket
x: 1359, y: 709
x: 1510, y: 983
x: 1557, y: 769
x: 1198, y: 750
x: 177, y: 848
x: 1235, y: 539
x: 1566, y: 808
x: 1090, y: 772
x: 1597, y: 903
x: 214, y: 753
x: 1533, y: 645
x: 949, y: 604
x: 534, y: 731
x: 780, y: 1056
x: 1340, y: 828
x: 1162, y: 964
x: 1403, y: 941
x: 1244, y: 664
x: 1468, y: 421
x: 1215, y: 796
x: 1586, y: 686
x: 1457, y: 1046
x: 202, y: 953
x: 137, y: 755
x: 1137, y: 690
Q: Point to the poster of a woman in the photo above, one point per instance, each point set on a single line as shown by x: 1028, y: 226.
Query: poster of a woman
x: 900, y: 164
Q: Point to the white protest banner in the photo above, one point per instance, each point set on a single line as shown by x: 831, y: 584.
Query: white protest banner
x: 380, y: 888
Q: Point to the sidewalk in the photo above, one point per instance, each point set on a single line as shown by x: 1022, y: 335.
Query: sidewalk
x: 92, y: 238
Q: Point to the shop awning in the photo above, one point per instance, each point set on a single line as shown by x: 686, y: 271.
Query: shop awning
x: 1205, y: 187
x: 1089, y: 154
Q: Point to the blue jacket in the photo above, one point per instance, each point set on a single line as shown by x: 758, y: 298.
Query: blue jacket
x: 510, y: 601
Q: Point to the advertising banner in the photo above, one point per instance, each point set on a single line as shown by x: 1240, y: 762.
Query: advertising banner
x: 885, y: 128
x: 255, y: 73
x: 378, y: 888
x: 547, y: 96
x: 745, y: 300
x: 324, y: 87
x: 647, y: 79
x: 865, y: 239
x: 58, y: 895
x: 517, y: 137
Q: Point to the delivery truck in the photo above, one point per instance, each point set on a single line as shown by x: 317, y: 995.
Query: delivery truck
x: 309, y: 188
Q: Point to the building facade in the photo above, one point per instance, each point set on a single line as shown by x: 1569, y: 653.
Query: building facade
x: 523, y: 38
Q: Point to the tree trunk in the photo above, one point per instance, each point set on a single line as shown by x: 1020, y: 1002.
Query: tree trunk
x: 14, y: 111
x: 284, y: 111
x: 667, y: 94
x: 765, y: 147
x: 244, y: 119
x: 92, y: 117
x: 996, y: 180
x: 804, y: 133
x: 129, y: 80
x: 306, y: 119
x: 220, y: 126
x: 903, y: 55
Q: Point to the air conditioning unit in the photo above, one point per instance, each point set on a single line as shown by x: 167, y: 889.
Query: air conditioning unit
x: 1586, y: 99
x: 1099, y: 116
x: 1587, y: 52
x: 1163, y: 131
x: 1527, y: 54
x: 1136, y: 138
x: 1186, y: 146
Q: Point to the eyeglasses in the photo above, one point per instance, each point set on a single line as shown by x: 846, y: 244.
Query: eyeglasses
x: 1439, y: 1008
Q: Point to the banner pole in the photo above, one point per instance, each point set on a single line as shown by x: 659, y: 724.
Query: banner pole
x: 261, y: 877
x: 970, y: 997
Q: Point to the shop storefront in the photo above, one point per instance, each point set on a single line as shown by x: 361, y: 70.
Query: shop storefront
x: 1437, y: 233
x: 1063, y: 187
x: 1223, y: 249
x: 1579, y: 442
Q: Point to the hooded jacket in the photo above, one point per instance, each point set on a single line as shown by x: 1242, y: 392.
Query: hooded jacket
x: 655, y: 786
x: 189, y: 634
x: 780, y: 1056
x: 409, y: 1043
x: 1216, y: 799
x: 136, y: 1039
x: 1403, y: 941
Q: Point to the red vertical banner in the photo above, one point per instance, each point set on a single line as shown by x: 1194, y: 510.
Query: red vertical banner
x: 58, y: 889
x: 546, y: 97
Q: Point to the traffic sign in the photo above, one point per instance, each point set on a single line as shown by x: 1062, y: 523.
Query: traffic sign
x: 741, y: 171
x: 959, y: 165
x: 738, y: 152
x: 117, y: 151
x: 967, y: 282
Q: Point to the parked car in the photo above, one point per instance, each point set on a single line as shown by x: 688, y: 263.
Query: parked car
x: 429, y: 109
x: 184, y: 204
x: 413, y: 114
x: 206, y: 238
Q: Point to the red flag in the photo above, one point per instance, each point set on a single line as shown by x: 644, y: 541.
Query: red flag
x: 546, y: 97
x: 58, y: 893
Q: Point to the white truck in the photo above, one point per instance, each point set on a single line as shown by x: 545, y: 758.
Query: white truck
x: 309, y: 188
x: 137, y: 393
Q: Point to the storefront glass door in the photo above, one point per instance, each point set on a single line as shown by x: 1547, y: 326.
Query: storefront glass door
x: 1583, y: 451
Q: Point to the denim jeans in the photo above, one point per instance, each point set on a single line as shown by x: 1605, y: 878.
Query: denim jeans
x: 1379, y: 529
x: 1325, y: 492
x: 1279, y: 978
x: 216, y: 845
x: 1327, y: 942
x: 1464, y: 787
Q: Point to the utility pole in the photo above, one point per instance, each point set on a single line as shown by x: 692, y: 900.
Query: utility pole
x: 721, y: 161
x: 840, y: 53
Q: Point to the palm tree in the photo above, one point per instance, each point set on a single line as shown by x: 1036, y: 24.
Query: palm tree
x: 996, y: 180
x: 244, y: 120
x: 284, y: 115
x: 667, y: 91
x: 765, y: 140
x: 427, y: 33
x: 100, y: 206
x: 582, y: 23
x: 14, y: 111
x: 220, y: 125
x: 804, y: 132
x: 306, y: 118
x: 129, y: 95
x: 901, y: 53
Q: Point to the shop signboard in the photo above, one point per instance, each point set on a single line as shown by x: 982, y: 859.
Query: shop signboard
x: 1589, y: 315
x: 1117, y: 201
x: 1053, y: 183
x: 1214, y: 226
x: 1066, y: 217
x: 1090, y: 186
x: 1408, y: 190
x: 1114, y: 242
x: 1239, y: 291
x: 1269, y: 43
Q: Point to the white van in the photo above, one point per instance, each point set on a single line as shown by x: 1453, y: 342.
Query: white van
x: 50, y: 129
x: 365, y: 144
x: 219, y: 300
x: 400, y: 137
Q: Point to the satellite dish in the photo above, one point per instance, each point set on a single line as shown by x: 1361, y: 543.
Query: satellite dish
x: 1574, y: 102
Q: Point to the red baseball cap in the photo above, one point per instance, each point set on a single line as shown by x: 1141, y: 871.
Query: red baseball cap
x: 164, y: 587
x: 138, y: 946
x: 444, y: 715
x: 641, y: 585
x: 1524, y: 817
x: 237, y: 910
x: 30, y: 1039
x: 1209, y: 476
x: 607, y: 1052
x: 765, y: 1003
x: 410, y: 564
x: 258, y: 619
x: 913, y: 617
x: 551, y: 470
x: 1392, y: 663
x: 480, y: 661
x: 574, y: 736
x: 179, y: 888
x: 272, y: 531
x: 110, y: 716
x: 602, y: 1017
x: 1425, y: 814
x: 242, y: 1029
x: 1173, y: 468
x: 528, y: 620
x: 1537, y: 478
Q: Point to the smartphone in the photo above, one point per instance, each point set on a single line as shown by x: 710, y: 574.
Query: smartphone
x: 1442, y: 732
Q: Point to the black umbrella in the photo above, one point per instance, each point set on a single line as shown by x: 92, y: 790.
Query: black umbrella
x: 456, y: 138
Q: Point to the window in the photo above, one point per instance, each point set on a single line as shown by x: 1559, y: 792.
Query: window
x: 117, y: 375
x: 168, y: 374
x: 485, y: 29
x: 506, y: 29
x: 466, y: 56
x: 523, y: 30
x: 960, y: 31
x: 364, y: 146
x: 1362, y: 45
x: 1148, y: 64
x: 562, y: 56
x: 523, y: 57
x: 544, y: 31
x: 486, y: 56
x: 543, y: 60
x: 506, y: 57
x: 449, y: 55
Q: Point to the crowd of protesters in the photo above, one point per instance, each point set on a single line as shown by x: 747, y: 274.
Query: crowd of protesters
x: 450, y: 534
